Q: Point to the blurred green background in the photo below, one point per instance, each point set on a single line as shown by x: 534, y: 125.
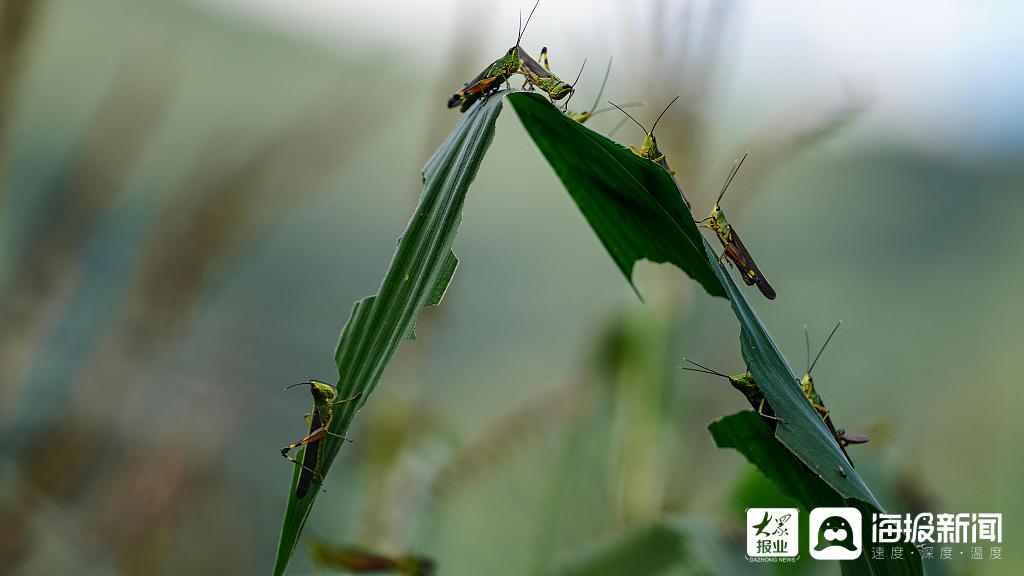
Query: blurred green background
x: 194, y: 193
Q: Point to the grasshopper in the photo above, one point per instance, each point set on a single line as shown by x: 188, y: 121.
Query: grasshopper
x: 746, y: 385
x: 354, y: 560
x: 649, y: 149
x: 324, y: 401
x: 541, y: 76
x: 730, y: 240
x: 807, y: 382
x: 843, y: 438
x: 490, y: 80
x: 582, y: 117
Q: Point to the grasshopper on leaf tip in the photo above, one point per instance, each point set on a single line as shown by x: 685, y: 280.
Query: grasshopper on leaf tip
x: 320, y: 417
x: 492, y: 77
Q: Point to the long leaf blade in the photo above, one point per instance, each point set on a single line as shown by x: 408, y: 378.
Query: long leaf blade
x: 418, y: 276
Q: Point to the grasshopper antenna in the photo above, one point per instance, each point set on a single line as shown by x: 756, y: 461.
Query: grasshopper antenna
x: 522, y: 30
x: 732, y: 174
x: 626, y: 105
x: 580, y: 73
x: 807, y: 347
x: 663, y: 113
x: 306, y: 383
x: 565, y: 108
x: 601, y: 91
x: 628, y: 114
x: 702, y: 369
x: 827, y: 340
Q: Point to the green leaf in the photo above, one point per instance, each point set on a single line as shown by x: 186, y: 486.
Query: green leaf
x: 418, y: 276
x: 632, y: 204
x: 748, y: 434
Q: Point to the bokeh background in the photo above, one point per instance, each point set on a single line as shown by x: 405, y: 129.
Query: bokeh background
x: 194, y: 193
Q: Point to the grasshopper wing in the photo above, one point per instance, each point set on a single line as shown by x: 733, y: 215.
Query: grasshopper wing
x: 739, y: 254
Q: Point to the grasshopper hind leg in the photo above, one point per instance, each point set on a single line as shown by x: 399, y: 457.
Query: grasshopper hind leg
x: 316, y: 475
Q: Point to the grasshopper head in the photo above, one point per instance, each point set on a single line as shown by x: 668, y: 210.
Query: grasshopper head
x: 807, y: 385
x: 649, y: 149
x: 581, y: 117
x: 556, y: 88
x: 508, y: 64
x: 322, y: 391
x: 743, y: 382
x: 717, y: 221
x: 746, y: 386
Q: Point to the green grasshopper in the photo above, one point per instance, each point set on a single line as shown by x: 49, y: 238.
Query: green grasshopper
x: 582, y: 117
x: 649, y: 149
x: 807, y: 387
x: 746, y: 385
x: 541, y: 76
x: 492, y: 77
x: 730, y: 240
x: 354, y: 560
x: 320, y: 417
